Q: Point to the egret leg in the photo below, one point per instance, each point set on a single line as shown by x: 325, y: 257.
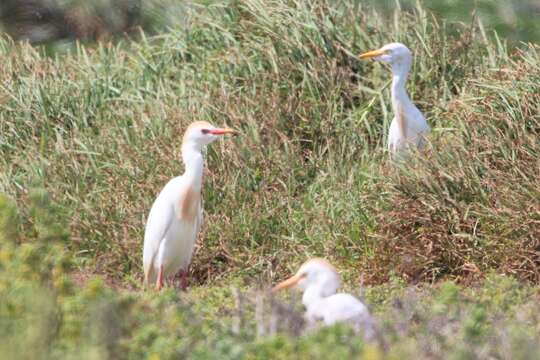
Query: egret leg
x: 159, y: 281
x: 184, y: 278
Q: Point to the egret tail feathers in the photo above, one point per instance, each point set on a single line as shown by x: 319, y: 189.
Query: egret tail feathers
x: 149, y: 273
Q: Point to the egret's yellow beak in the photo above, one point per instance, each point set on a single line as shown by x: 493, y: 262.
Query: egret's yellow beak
x: 290, y: 282
x: 222, y: 131
x: 371, y: 54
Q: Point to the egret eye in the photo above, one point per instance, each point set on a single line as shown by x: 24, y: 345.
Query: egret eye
x: 205, y: 131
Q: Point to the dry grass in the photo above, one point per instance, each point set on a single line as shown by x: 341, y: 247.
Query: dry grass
x: 472, y: 204
x: 100, y: 127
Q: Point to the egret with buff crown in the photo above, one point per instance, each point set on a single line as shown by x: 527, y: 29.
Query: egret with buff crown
x: 176, y: 215
x: 319, y: 281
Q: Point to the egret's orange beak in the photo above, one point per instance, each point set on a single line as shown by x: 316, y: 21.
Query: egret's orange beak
x: 290, y: 282
x: 222, y: 131
x: 371, y: 54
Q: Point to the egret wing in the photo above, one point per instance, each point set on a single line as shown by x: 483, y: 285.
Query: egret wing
x: 159, y: 220
x: 401, y: 121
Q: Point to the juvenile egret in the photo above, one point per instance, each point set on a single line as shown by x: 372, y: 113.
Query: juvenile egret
x: 176, y: 215
x: 408, y: 125
x: 319, y: 281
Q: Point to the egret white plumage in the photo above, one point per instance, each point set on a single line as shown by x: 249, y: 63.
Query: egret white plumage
x: 176, y: 215
x: 319, y: 281
x: 408, y: 125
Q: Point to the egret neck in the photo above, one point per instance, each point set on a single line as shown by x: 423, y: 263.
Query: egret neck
x: 194, y: 164
x: 312, y: 295
x: 399, y: 94
x: 400, y: 98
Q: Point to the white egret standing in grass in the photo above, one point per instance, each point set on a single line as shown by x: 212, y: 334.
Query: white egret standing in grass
x: 176, y: 215
x: 408, y: 125
x: 319, y: 281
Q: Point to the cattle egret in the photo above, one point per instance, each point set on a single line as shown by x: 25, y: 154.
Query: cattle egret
x: 408, y: 125
x: 176, y: 215
x: 319, y: 281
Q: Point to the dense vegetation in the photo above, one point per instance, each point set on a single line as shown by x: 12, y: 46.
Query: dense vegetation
x: 88, y: 137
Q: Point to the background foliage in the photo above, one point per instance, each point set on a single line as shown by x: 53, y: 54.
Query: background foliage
x: 90, y: 133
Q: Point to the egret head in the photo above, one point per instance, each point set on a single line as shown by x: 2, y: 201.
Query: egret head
x: 317, y: 273
x: 395, y: 54
x: 202, y: 133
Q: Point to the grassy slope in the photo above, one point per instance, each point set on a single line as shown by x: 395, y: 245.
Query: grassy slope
x: 99, y: 129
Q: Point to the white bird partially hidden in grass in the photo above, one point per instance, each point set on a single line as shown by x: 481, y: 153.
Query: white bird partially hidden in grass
x: 319, y: 281
x: 176, y: 215
x: 408, y: 126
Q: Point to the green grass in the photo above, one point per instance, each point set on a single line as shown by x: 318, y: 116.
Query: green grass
x: 98, y: 129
